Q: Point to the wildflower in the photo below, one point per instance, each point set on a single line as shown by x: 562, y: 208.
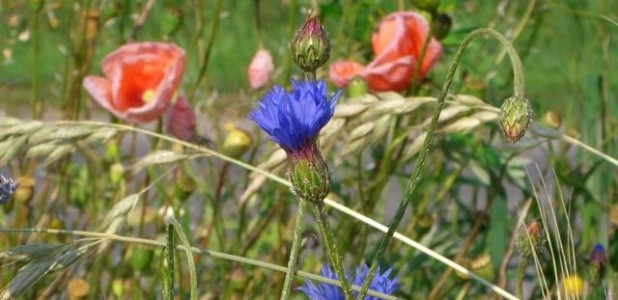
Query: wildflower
x: 310, y: 46
x: 515, y: 115
x: 294, y: 120
x: 574, y: 287
x: 261, y: 69
x: 7, y: 189
x: 140, y: 80
x: 397, y: 44
x: 597, y: 263
x: 181, y: 119
x: 382, y: 283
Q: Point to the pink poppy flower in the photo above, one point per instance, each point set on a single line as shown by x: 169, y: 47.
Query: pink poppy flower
x: 181, y: 119
x: 140, y: 80
x: 261, y: 69
x: 397, y: 44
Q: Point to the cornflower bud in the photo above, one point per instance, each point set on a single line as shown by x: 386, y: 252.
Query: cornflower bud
x: 597, y: 263
x: 441, y: 26
x: 7, y: 189
x: 310, y: 46
x: 531, y: 239
x: 515, y: 115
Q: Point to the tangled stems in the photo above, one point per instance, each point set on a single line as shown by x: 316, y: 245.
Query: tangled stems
x: 298, y: 230
x: 410, y: 190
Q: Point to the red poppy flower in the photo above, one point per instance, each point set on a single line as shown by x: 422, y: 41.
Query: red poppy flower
x: 397, y: 44
x: 181, y: 119
x: 140, y: 80
x: 261, y: 69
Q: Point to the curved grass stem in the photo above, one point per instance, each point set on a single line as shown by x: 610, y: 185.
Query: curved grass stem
x: 410, y: 190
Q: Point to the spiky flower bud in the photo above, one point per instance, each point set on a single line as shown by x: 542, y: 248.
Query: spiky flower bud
x: 310, y: 46
x: 441, y: 26
x: 515, y: 115
x: 531, y: 239
x: 309, y: 175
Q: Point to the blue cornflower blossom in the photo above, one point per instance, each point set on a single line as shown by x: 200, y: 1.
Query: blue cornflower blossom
x: 380, y: 283
x: 7, y: 189
x: 295, y: 119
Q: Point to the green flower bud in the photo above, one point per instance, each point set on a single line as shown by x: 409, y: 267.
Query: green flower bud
x: 236, y: 143
x: 440, y: 26
x: 483, y: 267
x: 310, y: 46
x: 515, y: 115
x: 357, y: 87
x: 308, y: 173
x: 552, y: 119
x: 185, y: 185
x: 531, y: 239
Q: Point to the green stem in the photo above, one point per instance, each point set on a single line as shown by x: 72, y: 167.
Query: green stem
x: 321, y: 218
x: 211, y: 42
x: 36, y: 101
x: 410, y: 190
x: 521, y: 271
x: 298, y: 231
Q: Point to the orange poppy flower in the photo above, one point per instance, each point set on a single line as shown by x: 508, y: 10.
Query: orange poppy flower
x: 397, y: 44
x: 261, y: 69
x: 140, y: 80
x: 181, y: 119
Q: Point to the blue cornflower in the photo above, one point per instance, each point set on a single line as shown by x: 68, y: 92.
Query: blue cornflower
x: 7, y: 189
x: 380, y: 283
x: 294, y: 119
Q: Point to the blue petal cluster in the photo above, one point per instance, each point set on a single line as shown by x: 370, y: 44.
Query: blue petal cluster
x: 381, y: 282
x: 7, y: 188
x: 294, y: 120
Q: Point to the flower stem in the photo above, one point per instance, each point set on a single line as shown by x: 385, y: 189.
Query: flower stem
x: 410, y: 190
x: 298, y: 230
x: 521, y: 271
x: 321, y: 218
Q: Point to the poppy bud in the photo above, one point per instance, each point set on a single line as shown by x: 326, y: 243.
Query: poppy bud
x: 310, y: 46
x: 515, y: 115
x: 309, y: 174
x: 483, y: 267
x: 78, y: 288
x: 185, y: 185
x: 92, y: 24
x: 430, y: 6
x: 552, y: 119
x: 531, y: 239
x: 440, y: 26
x: 357, y: 87
x: 25, y: 190
x: 236, y: 143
